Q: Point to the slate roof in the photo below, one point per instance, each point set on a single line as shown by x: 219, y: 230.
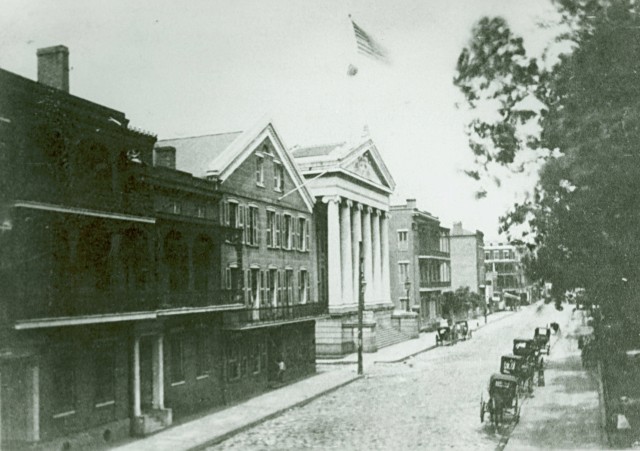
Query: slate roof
x: 195, y: 154
x: 315, y: 151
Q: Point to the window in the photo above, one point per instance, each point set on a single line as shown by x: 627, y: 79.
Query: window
x: 271, y: 229
x: 278, y: 240
x: 403, y: 272
x: 64, y: 381
x: 487, y: 255
x: 303, y: 287
x: 403, y: 240
x: 272, y: 287
x: 288, y: 283
x: 233, y: 362
x: 496, y: 255
x: 176, y: 344
x: 287, y: 232
x: 253, y: 276
x: 203, y: 362
x: 303, y: 235
x: 278, y: 176
x: 175, y: 207
x: 105, y: 377
x: 251, y: 226
x: 259, y: 171
x: 233, y: 214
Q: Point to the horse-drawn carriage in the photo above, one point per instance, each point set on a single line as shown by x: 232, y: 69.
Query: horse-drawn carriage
x: 518, y: 367
x: 542, y: 337
x: 462, y: 330
x: 444, y: 336
x: 503, y: 398
x: 528, y: 349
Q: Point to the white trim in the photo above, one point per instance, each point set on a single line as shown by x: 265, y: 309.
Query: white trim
x: 81, y: 320
x: 83, y: 211
x: 175, y: 384
x: 202, y: 376
x: 434, y: 257
x: 402, y: 230
x: 105, y: 404
x: 64, y: 414
x: 187, y: 310
x: 404, y: 261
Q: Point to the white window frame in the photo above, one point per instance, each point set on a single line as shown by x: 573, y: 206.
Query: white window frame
x: 260, y: 170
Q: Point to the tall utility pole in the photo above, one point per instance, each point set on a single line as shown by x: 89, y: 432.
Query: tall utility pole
x: 361, y: 287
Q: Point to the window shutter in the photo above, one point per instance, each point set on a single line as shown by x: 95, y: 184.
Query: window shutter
x: 277, y: 234
x: 256, y: 235
x: 294, y: 238
x: 247, y: 230
x: 307, y: 286
x: 306, y: 236
x: 279, y: 289
x: 240, y: 220
x: 247, y: 287
x: 268, y: 229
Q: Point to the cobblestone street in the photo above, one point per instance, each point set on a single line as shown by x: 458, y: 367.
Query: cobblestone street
x: 428, y: 402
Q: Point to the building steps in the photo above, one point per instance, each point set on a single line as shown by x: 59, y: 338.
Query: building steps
x: 387, y: 336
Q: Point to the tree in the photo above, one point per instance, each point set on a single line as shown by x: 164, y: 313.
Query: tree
x: 584, y: 215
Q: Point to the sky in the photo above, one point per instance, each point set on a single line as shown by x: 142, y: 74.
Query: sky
x: 198, y: 67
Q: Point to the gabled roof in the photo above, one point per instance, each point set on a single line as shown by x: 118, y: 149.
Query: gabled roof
x: 360, y: 160
x: 221, y: 154
x: 194, y: 153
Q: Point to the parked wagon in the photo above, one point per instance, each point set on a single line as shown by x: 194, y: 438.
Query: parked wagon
x: 518, y: 367
x: 542, y: 337
x: 444, y: 336
x: 463, y: 331
x: 503, y: 399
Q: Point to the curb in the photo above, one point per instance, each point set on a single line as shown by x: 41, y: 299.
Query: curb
x: 227, y: 435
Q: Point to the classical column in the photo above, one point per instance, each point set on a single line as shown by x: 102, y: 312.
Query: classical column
x: 356, y: 238
x: 333, y: 245
x: 376, y: 260
x: 345, y: 252
x: 384, y: 241
x: 158, y: 372
x: 366, y: 243
x: 137, y: 411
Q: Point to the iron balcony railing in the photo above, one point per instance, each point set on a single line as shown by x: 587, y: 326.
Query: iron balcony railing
x: 283, y: 312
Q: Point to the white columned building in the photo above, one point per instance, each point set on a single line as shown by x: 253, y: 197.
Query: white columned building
x: 353, y: 187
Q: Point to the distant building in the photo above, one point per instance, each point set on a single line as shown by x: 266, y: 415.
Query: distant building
x: 504, y: 270
x: 420, y: 261
x: 467, y: 259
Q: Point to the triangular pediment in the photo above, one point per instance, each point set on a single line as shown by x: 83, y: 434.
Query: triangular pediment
x: 365, y: 163
x: 365, y: 167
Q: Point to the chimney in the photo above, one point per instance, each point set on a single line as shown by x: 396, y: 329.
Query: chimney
x: 411, y: 203
x: 53, y: 67
x: 457, y: 228
x: 165, y: 157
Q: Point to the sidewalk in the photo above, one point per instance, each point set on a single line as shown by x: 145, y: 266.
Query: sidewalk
x: 222, y: 424
x: 402, y: 351
x: 565, y: 413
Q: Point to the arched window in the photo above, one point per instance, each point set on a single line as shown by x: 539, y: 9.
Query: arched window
x: 202, y: 251
x: 176, y: 260
x: 134, y: 255
x: 94, y: 247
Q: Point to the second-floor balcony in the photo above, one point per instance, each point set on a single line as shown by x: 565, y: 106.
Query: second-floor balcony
x: 252, y: 317
x: 426, y: 284
x: 41, y: 304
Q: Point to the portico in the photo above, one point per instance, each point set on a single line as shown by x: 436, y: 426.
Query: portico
x: 352, y: 187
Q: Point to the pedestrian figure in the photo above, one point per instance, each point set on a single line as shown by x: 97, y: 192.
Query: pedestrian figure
x: 281, y: 369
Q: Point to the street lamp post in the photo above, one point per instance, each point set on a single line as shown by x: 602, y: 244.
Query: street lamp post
x: 407, y: 287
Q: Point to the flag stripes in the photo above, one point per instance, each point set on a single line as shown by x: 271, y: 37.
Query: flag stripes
x: 367, y: 45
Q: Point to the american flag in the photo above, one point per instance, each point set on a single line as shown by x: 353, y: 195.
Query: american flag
x: 369, y: 46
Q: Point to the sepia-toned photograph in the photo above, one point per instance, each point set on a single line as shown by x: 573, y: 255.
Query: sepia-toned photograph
x: 323, y: 225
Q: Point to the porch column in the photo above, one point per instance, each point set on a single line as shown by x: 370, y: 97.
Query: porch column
x: 377, y: 262
x: 137, y: 410
x: 33, y: 416
x: 356, y: 238
x: 345, y: 252
x: 333, y: 259
x: 366, y: 243
x: 384, y: 241
x: 158, y: 372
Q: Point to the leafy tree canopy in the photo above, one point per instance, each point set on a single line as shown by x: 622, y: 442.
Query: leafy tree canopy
x: 581, y: 117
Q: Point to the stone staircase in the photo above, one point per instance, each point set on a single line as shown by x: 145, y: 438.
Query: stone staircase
x: 387, y: 336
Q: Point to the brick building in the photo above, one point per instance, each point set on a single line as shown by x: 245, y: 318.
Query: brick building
x: 121, y: 309
x: 263, y: 196
x: 421, y: 262
x: 467, y: 259
x: 505, y: 272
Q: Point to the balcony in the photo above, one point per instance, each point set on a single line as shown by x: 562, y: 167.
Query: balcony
x: 39, y: 304
x: 248, y: 318
x: 433, y: 254
x: 434, y: 284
